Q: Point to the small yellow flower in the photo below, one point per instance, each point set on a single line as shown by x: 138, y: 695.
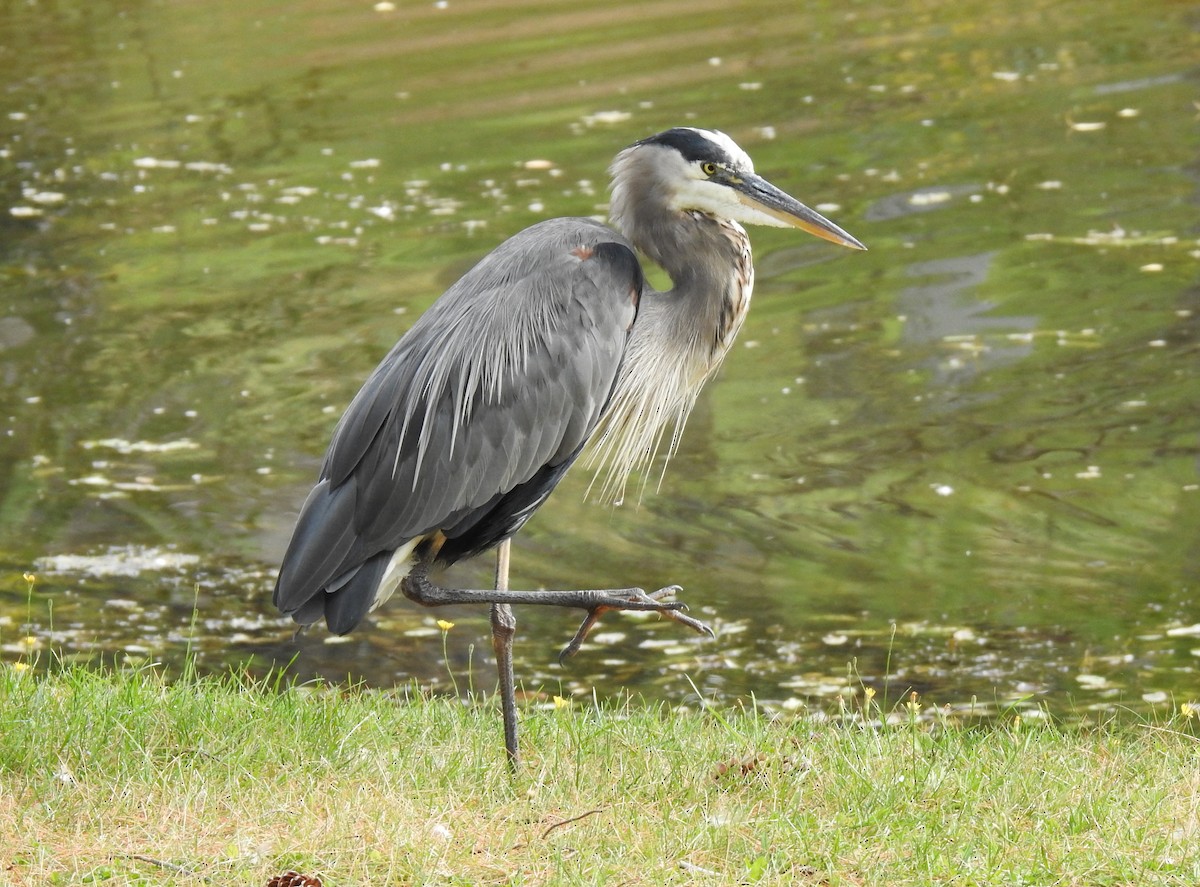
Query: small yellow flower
x: 30, y: 641
x: 1189, y: 711
x: 29, y: 577
x: 914, y: 704
x: 19, y: 667
x: 559, y: 702
x: 444, y: 624
x: 869, y: 692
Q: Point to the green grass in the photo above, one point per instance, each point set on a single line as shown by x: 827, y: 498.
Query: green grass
x: 128, y: 778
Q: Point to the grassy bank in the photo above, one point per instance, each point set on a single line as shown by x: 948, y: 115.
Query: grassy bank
x: 126, y: 778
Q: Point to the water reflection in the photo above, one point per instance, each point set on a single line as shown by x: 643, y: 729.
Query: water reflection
x: 920, y: 200
x: 966, y: 465
x: 949, y: 314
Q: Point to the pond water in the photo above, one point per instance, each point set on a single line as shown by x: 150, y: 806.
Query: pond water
x: 965, y: 463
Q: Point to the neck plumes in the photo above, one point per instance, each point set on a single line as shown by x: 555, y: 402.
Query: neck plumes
x: 679, y: 338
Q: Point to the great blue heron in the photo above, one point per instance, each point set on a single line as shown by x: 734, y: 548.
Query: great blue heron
x: 553, y: 340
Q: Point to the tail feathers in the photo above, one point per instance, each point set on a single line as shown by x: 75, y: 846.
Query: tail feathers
x: 322, y: 574
x: 308, y: 612
x: 348, y: 605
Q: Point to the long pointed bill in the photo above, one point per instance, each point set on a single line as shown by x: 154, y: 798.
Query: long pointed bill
x: 782, y: 210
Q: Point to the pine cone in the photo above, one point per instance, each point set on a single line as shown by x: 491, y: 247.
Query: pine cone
x: 294, y: 879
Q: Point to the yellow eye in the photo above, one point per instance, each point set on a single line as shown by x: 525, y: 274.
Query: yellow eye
x: 709, y: 168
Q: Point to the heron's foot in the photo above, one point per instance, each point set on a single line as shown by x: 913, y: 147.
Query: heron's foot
x: 640, y: 599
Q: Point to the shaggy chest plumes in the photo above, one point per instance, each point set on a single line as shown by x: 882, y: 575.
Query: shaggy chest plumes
x: 673, y: 351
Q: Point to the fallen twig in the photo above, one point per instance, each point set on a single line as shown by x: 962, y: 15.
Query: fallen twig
x: 555, y: 825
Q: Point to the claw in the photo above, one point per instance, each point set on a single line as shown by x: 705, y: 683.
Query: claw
x: 585, y: 628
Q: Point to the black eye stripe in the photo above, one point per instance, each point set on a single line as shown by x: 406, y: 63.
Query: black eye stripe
x: 691, y: 144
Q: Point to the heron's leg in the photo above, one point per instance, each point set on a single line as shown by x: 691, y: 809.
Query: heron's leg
x: 417, y: 587
x: 504, y: 627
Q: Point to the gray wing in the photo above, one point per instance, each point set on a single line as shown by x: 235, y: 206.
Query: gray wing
x: 472, y: 417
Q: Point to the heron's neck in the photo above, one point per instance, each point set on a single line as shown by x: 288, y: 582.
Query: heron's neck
x: 709, y: 263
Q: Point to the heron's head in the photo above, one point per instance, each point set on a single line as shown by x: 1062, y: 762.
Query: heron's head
x: 703, y: 170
